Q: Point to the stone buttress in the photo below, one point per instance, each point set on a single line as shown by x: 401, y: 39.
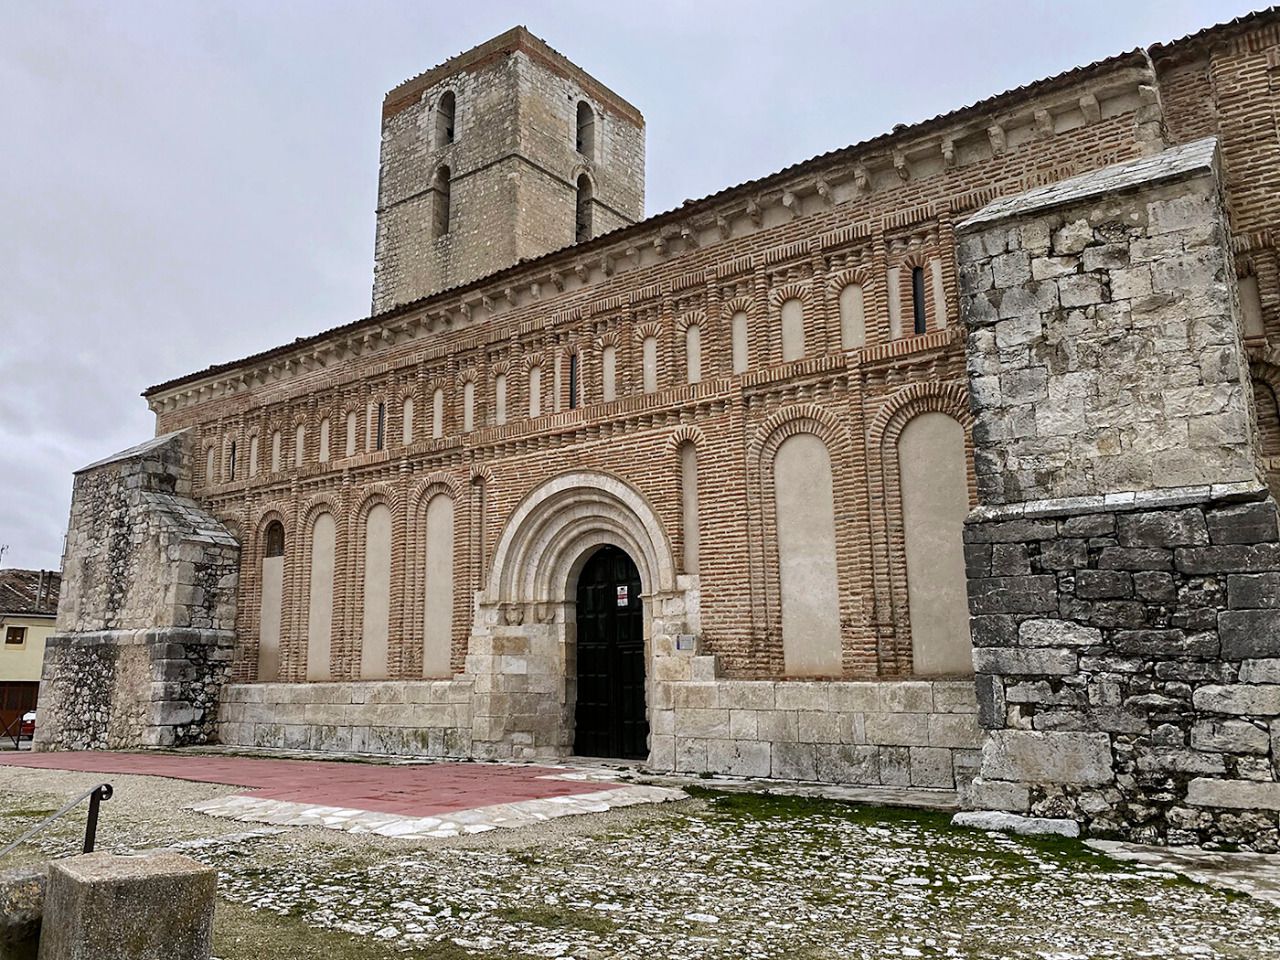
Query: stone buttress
x: 1124, y: 562
x: 146, y: 619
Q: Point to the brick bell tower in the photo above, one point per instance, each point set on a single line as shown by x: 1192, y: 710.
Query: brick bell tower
x: 500, y: 154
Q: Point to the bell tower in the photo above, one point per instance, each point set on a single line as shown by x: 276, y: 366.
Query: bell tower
x: 500, y: 154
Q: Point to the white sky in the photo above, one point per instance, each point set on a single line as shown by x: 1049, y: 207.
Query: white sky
x: 186, y: 183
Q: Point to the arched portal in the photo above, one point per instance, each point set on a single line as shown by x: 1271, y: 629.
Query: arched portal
x: 525, y: 645
x: 610, y: 718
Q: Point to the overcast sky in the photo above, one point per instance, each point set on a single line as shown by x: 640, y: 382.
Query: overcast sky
x: 188, y: 183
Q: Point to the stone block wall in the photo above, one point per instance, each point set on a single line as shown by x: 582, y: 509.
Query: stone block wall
x: 147, y: 611
x: 429, y: 718
x: 907, y: 733
x: 1122, y: 565
x: 1128, y: 662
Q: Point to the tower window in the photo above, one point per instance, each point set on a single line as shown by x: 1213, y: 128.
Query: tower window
x: 917, y: 298
x: 444, y: 119
x: 231, y: 462
x: 381, y: 434
x: 583, y: 227
x: 441, y: 189
x: 573, y: 381
x: 586, y: 139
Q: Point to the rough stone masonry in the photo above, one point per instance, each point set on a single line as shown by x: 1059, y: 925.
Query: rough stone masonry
x: 146, y: 617
x: 1124, y: 563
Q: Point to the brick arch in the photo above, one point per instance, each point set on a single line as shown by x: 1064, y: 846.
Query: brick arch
x: 693, y: 318
x: 376, y: 494
x: 555, y: 527
x: 737, y: 305
x: 762, y: 522
x: 860, y: 275
x: 249, y: 614
x: 889, y: 560
x: 435, y: 484
x: 682, y: 435
x: 795, y: 290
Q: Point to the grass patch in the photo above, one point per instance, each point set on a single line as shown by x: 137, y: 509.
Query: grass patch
x: 558, y: 918
x: 32, y: 813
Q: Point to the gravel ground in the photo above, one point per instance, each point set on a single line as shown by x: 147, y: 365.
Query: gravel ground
x: 719, y: 876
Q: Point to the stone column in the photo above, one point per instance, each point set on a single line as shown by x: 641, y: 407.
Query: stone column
x: 1124, y: 562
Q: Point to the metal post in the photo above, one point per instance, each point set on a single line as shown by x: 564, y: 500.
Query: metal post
x: 100, y: 793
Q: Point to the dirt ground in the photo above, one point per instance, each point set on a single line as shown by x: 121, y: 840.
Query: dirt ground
x: 717, y: 876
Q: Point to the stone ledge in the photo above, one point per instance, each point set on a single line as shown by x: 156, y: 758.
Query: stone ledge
x: 1013, y: 823
x: 1175, y: 163
x: 1165, y: 498
x: 1234, y: 794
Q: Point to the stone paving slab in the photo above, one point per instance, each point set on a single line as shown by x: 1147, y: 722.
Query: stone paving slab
x: 478, y: 820
x: 1255, y: 874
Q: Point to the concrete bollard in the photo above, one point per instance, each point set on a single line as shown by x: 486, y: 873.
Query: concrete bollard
x: 104, y: 907
x: 21, y: 899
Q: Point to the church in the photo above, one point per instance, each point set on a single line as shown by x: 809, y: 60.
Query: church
x: 705, y: 490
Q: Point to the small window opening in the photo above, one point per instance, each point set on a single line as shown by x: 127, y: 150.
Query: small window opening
x: 445, y: 118
x: 231, y: 462
x: 573, y: 381
x: 586, y: 139
x: 275, y: 539
x: 15, y: 636
x: 441, y: 188
x: 582, y: 229
x: 917, y: 298
x: 382, y: 426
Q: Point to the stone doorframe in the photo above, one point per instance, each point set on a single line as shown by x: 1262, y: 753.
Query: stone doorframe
x: 522, y: 655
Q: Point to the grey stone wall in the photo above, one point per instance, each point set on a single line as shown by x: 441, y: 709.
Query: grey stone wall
x: 147, y: 611
x: 1124, y: 564
x: 1104, y: 345
x: 1128, y: 665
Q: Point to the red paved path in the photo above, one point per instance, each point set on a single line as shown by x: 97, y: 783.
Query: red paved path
x: 417, y: 790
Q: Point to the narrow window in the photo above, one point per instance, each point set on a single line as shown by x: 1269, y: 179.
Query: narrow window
x: 573, y: 381
x: 441, y: 190
x: 253, y: 455
x: 323, y: 455
x: 609, y: 372
x: 583, y: 228
x: 689, y: 498
x: 272, y: 594
x: 649, y: 358
x: 352, y: 421
x: 210, y: 462
x: 693, y: 353
x: 382, y: 426
x: 739, y: 335
x: 275, y: 539
x: 586, y: 140
x: 406, y: 421
x: 557, y: 384
x: 437, y: 414
x: 1251, y: 307
x: 275, y: 452
x: 917, y: 298
x: 500, y: 398
x: 468, y: 406
x: 299, y: 445
x: 535, y: 391
x: 792, y: 330
x: 445, y: 111
x: 231, y: 462
x: 853, y: 323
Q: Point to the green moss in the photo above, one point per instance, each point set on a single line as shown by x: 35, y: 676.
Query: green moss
x: 558, y: 918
